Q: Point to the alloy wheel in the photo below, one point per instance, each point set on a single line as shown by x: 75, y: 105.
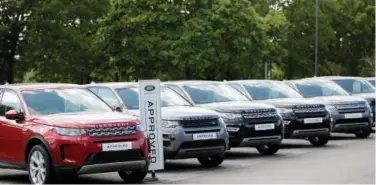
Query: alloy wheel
x: 37, y: 167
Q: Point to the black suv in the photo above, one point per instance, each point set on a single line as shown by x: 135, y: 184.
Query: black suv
x: 302, y: 118
x: 350, y: 114
x: 356, y: 86
x: 249, y: 124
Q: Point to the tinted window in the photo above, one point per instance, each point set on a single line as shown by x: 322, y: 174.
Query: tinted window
x: 312, y: 89
x: 59, y: 101
x: 238, y: 88
x: 264, y: 91
x: 10, y: 101
x: 372, y: 82
x: 169, y: 98
x: 210, y: 93
x: 355, y: 86
x: 108, y: 96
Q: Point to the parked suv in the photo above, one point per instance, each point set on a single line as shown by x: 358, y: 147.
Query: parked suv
x: 350, y: 114
x: 249, y: 124
x: 302, y: 118
x: 188, y: 132
x: 356, y: 86
x: 63, y: 130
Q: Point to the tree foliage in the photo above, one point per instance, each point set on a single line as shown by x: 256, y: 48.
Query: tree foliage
x: 126, y: 40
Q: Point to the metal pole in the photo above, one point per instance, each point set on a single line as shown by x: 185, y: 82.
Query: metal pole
x: 316, y: 36
x: 266, y: 70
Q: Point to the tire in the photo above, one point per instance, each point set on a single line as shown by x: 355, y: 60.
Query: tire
x: 211, y: 161
x: 132, y: 177
x: 318, y: 141
x: 364, y: 133
x: 40, y: 169
x: 269, y: 149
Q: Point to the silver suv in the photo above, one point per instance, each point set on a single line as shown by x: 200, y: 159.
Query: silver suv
x: 188, y: 132
x: 350, y: 114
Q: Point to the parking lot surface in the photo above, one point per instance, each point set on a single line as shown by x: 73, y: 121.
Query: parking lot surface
x: 344, y: 160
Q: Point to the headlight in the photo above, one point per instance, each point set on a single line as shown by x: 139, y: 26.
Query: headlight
x: 230, y: 116
x: 68, y: 131
x: 141, y: 128
x: 368, y: 105
x: 284, y: 110
x: 330, y: 107
x: 169, y: 124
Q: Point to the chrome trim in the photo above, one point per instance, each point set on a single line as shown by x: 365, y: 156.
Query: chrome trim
x: 311, y: 130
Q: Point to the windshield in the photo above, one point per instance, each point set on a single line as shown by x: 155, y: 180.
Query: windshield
x: 372, y: 82
x: 210, y: 93
x: 58, y: 101
x: 169, y: 98
x: 264, y: 91
x: 319, y: 88
x: 354, y: 86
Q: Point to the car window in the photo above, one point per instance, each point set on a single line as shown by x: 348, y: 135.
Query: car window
x: 63, y: 101
x: 94, y: 90
x: 355, y: 86
x: 169, y: 98
x: 10, y: 101
x: 210, y: 93
x: 313, y: 89
x: 238, y: 87
x: 372, y: 82
x: 177, y: 90
x: 108, y: 96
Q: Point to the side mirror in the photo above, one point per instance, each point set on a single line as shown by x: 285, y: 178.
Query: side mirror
x: 14, y: 115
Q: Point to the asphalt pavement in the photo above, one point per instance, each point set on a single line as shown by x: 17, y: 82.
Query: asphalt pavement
x: 345, y: 160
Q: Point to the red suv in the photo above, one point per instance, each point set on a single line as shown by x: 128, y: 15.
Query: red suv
x: 55, y: 130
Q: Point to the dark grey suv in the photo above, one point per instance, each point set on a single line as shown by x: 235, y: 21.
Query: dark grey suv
x: 248, y: 124
x: 303, y: 118
x: 350, y: 114
x: 188, y: 131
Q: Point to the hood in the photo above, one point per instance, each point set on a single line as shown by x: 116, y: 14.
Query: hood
x: 367, y: 96
x: 290, y: 102
x: 182, y: 113
x: 338, y: 99
x: 236, y: 106
x: 87, y: 120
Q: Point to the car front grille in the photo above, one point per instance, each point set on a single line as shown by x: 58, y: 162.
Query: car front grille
x: 350, y: 108
x: 111, y: 131
x: 305, y: 111
x: 261, y: 116
x: 199, y: 123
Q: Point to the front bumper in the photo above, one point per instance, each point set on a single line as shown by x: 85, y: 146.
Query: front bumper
x: 84, y: 154
x: 247, y: 135
x: 179, y: 142
x: 296, y: 128
x: 342, y: 124
x: 139, y: 165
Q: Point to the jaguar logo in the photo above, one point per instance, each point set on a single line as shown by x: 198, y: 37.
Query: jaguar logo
x: 149, y: 88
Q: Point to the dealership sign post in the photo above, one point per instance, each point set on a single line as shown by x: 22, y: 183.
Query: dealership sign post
x: 150, y: 114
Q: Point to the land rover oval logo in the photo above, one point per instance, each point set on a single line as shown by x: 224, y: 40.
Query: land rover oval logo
x: 149, y: 88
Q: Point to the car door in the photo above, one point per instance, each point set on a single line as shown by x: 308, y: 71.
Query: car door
x: 11, y: 145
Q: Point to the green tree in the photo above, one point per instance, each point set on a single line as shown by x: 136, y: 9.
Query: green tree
x: 52, y: 37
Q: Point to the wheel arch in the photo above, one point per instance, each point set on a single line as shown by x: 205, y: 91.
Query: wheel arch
x: 36, y: 139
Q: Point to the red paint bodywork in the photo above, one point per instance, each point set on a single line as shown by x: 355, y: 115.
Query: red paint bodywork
x: 15, y: 135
